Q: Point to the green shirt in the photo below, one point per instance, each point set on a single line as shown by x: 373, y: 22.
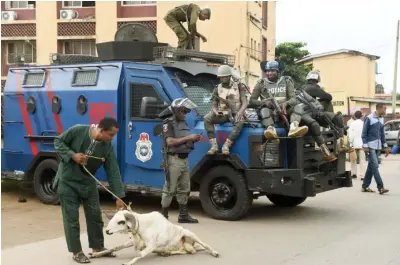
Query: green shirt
x: 77, y: 140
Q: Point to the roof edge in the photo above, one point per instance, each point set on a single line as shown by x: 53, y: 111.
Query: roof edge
x: 354, y: 52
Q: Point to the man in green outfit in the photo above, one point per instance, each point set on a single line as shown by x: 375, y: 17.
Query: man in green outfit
x: 83, y: 145
x: 187, y: 13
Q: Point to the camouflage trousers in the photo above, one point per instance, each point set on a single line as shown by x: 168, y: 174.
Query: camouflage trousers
x: 180, y: 32
x: 210, y: 119
x: 177, y: 181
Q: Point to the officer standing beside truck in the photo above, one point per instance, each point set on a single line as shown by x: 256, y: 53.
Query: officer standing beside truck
x: 187, y: 13
x: 178, y: 142
x: 82, y: 145
x: 233, y: 92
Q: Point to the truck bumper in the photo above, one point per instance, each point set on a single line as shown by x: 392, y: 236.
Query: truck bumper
x: 294, y: 182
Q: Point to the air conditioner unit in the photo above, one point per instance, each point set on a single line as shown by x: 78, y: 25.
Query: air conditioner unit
x: 68, y: 14
x: 8, y: 15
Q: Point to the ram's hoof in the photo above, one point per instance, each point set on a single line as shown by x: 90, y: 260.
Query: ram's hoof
x: 215, y: 254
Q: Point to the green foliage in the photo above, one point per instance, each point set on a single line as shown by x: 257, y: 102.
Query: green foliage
x: 289, y: 52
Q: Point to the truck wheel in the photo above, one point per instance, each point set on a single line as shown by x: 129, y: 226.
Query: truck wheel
x: 224, y: 194
x: 285, y: 201
x: 44, y: 176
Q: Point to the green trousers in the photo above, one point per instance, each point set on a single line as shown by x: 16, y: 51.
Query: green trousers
x: 177, y: 182
x: 210, y: 119
x: 180, y: 32
x: 71, y: 199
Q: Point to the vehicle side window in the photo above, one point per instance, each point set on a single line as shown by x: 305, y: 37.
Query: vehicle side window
x: 139, y: 91
x: 396, y: 126
x: 387, y: 127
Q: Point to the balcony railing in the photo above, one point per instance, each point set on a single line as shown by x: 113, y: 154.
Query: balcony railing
x: 21, y: 58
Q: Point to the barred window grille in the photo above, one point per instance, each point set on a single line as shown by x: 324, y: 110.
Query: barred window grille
x: 34, y: 79
x: 85, y: 77
x: 198, y: 89
x: 139, y: 91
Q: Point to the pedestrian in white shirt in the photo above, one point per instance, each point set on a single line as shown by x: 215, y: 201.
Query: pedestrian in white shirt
x: 357, y: 159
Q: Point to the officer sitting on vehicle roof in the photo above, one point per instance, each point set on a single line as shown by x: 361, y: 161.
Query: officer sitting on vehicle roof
x: 314, y: 90
x: 315, y: 119
x: 283, y: 90
x: 233, y: 109
x: 177, y: 144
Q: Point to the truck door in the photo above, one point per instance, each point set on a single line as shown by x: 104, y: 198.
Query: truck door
x: 143, y: 155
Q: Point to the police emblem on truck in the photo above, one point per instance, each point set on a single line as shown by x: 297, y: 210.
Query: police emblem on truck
x: 143, y: 148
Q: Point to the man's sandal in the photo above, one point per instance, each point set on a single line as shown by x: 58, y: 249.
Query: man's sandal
x: 383, y: 191
x: 109, y: 255
x: 80, y: 258
x: 367, y: 190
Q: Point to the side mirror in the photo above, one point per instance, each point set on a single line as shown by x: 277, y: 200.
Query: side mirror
x: 151, y: 107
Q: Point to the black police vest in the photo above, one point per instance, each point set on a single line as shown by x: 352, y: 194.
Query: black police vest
x: 181, y: 129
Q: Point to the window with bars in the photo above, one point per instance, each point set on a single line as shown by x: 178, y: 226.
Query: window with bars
x: 20, y: 4
x: 139, y: 91
x: 80, y: 47
x: 85, y: 77
x: 21, y: 51
x: 79, y: 3
x: 34, y: 79
x: 134, y: 3
x: 198, y: 89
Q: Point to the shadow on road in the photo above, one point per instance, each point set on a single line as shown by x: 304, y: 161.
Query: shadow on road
x: 261, y: 210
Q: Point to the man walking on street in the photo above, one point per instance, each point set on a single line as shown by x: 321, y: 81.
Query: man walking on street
x: 373, y: 138
x: 82, y: 145
x: 357, y: 157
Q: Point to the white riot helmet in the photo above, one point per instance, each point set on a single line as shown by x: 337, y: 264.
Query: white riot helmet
x: 224, y: 70
x: 314, y: 75
x: 182, y: 104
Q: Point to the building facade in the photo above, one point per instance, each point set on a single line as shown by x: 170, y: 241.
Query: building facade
x: 346, y: 74
x: 32, y: 30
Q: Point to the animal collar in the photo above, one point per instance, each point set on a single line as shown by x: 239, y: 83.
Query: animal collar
x: 134, y: 230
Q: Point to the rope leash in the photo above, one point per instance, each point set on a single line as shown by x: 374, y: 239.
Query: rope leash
x: 90, y: 174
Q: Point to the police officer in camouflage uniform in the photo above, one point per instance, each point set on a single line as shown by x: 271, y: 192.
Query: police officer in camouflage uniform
x: 282, y: 89
x: 187, y: 13
x: 314, y: 90
x: 234, y: 92
x: 178, y: 142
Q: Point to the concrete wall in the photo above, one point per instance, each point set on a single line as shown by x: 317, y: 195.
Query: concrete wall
x: 345, y: 75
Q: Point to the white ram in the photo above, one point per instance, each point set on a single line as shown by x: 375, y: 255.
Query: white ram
x: 153, y: 233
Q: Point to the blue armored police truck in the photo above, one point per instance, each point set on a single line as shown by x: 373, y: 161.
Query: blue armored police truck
x: 133, y: 79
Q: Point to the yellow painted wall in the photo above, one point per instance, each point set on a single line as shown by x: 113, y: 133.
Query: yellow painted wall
x: 106, y: 28
x: 46, y: 30
x: 346, y: 72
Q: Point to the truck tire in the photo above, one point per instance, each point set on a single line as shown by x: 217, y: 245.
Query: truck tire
x: 285, y: 201
x: 43, y: 180
x: 224, y: 194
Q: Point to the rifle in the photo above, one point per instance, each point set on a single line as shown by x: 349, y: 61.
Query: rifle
x: 232, y: 109
x: 276, y: 107
x: 300, y: 97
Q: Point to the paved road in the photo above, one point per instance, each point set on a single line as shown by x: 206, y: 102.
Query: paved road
x: 339, y: 227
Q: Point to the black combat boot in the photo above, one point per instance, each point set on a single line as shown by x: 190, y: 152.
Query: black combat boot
x: 184, y: 217
x: 164, y: 212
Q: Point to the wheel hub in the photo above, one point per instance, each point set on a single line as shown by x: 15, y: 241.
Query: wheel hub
x: 221, y: 193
